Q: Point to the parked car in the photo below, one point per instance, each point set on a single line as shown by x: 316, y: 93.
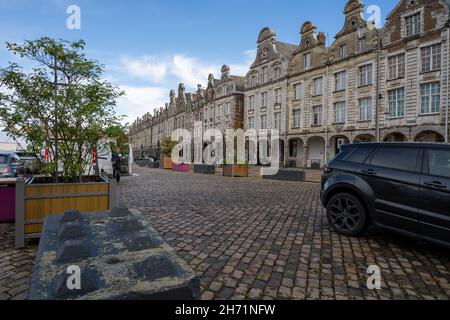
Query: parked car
x: 32, y: 163
x: 9, y: 161
x: 398, y: 186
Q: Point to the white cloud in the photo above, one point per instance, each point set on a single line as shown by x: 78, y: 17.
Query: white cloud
x: 170, y: 70
x: 191, y: 71
x: 140, y: 100
x: 147, y: 68
x: 241, y: 69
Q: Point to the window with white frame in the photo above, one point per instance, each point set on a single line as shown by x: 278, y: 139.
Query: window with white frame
x: 225, y: 90
x: 252, y: 81
x: 264, y: 122
x: 219, y: 110
x: 430, y: 97
x: 307, y: 60
x: 396, y: 66
x: 412, y: 24
x: 340, y: 82
x: 211, y: 113
x: 365, y: 109
x: 277, y: 121
x: 343, y: 51
x: 362, y: 44
x: 317, y: 116
x: 264, y: 75
x: 278, y: 96
x: 365, y: 75
x: 263, y: 99
x: 251, y: 122
x: 297, y: 115
x: 276, y: 73
x: 397, y: 103
x: 227, y: 108
x: 251, y: 102
x: 431, y: 58
x: 318, y: 86
x: 297, y: 91
x: 339, y: 112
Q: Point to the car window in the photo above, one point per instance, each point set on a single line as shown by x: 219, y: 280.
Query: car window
x: 15, y: 159
x: 439, y: 163
x: 359, y: 155
x: 343, y: 154
x: 396, y: 158
x: 3, y: 159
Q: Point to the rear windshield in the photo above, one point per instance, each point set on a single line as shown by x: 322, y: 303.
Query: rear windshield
x: 356, y: 155
x: 3, y: 159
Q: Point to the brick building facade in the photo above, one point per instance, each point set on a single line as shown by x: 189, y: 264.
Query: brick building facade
x: 370, y: 84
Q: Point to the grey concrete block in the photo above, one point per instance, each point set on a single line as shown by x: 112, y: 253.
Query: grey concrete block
x: 119, y: 212
x: 288, y: 175
x: 204, y: 169
x: 89, y: 283
x: 72, y: 250
x: 72, y: 215
x: 120, y: 258
x: 71, y: 231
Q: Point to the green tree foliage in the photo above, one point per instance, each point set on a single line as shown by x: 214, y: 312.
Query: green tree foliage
x: 61, y: 95
x: 167, y: 147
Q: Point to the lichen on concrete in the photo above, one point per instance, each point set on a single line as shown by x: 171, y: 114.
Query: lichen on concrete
x: 124, y: 262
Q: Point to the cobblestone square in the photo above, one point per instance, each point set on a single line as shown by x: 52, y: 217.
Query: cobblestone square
x: 251, y: 238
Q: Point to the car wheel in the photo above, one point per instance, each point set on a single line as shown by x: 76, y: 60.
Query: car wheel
x: 347, y: 215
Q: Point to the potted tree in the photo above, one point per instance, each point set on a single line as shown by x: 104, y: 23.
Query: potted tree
x: 61, y: 107
x: 166, y: 151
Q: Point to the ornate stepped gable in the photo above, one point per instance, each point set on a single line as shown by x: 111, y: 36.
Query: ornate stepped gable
x: 270, y: 51
x: 435, y: 16
x: 354, y: 29
x: 310, y: 42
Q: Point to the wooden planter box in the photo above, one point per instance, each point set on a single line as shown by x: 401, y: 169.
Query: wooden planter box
x: 166, y: 163
x: 36, y: 201
x: 204, y: 169
x: 181, y: 167
x: 235, y: 170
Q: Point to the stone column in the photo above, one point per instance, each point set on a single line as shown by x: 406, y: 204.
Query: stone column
x: 305, y: 155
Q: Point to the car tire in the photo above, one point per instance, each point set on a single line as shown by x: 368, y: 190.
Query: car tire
x: 347, y: 215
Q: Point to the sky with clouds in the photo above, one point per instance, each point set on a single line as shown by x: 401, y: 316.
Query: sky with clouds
x: 149, y: 46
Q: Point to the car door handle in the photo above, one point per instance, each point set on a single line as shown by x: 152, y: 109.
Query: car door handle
x: 435, y: 184
x: 369, y: 172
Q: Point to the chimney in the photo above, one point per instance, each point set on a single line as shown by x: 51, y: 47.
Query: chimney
x: 321, y: 38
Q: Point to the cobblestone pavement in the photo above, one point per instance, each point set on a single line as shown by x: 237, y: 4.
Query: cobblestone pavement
x: 15, y: 266
x: 260, y: 239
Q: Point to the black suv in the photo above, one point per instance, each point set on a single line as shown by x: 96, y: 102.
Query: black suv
x: 403, y: 187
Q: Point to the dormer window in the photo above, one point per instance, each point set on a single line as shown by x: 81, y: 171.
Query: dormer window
x: 252, y: 81
x: 307, y: 60
x: 412, y: 24
x: 225, y: 90
x: 343, y: 51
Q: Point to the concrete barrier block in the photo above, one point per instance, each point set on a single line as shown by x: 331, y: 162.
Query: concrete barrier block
x: 119, y: 255
x: 288, y: 175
